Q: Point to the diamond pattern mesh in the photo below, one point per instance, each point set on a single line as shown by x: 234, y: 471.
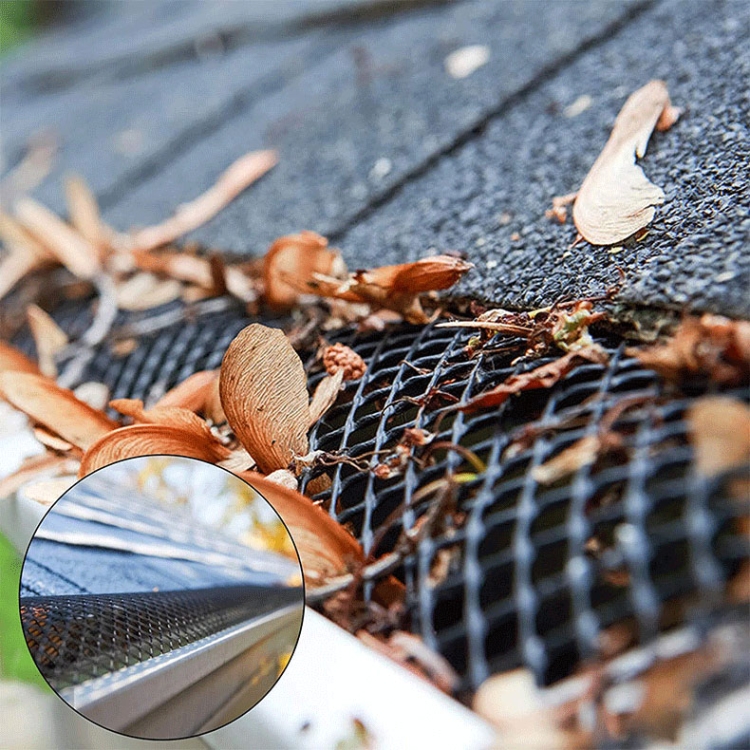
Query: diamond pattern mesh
x: 519, y: 572
x: 80, y: 637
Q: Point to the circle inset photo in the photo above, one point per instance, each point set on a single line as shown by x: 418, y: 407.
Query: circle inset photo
x: 161, y: 597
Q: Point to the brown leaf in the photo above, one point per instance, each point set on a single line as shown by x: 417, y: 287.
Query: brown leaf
x: 541, y: 377
x: 83, y: 211
x: 49, y: 339
x: 15, y: 361
x: 326, y: 549
x: 69, y: 247
x: 711, y: 346
x: 193, y: 393
x: 145, y: 291
x: 398, y: 287
x: 720, y: 433
x: 56, y: 408
x: 582, y: 453
x: 151, y: 440
x: 25, y: 254
x: 238, y: 176
x: 263, y: 390
x: 50, y: 440
x: 36, y: 467
x: 291, y: 264
x: 616, y: 199
x: 325, y: 395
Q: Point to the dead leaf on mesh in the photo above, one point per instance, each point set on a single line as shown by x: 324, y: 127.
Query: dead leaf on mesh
x: 325, y: 395
x: 544, y: 376
x: 24, y: 254
x: 291, y: 264
x: 710, y: 346
x: 326, y: 549
x: 151, y: 440
x: 67, y: 245
x: 263, y: 390
x: 583, y: 452
x: 192, y: 393
x: 238, y: 176
x: 13, y: 360
x: 398, y: 287
x: 54, y: 407
x: 144, y: 291
x: 616, y: 199
x: 49, y: 339
x: 720, y: 434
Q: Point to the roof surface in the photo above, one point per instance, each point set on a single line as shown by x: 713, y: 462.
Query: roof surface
x: 391, y: 157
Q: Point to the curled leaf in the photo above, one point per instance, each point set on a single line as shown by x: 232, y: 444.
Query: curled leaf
x: 326, y: 549
x: 325, y: 395
x: 291, y: 264
x: 54, y: 407
x: 616, y: 199
x: 263, y: 391
x: 49, y: 339
x: 238, y: 176
x: 544, y: 376
x: 14, y: 360
x: 151, y: 440
x: 69, y: 247
x: 398, y: 287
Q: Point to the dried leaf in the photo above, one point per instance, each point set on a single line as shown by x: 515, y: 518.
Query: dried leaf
x: 326, y: 549
x: 193, y: 393
x: 720, y: 433
x: 145, y: 291
x: 36, y: 467
x: 616, y: 199
x: 83, y: 211
x: 25, y: 254
x: 541, y: 377
x: 263, y: 390
x: 582, y: 453
x: 325, y: 395
x: 49, y: 491
x: 15, y: 361
x: 240, y: 175
x: 69, y: 247
x: 54, y: 407
x: 49, y: 339
x: 398, y: 287
x: 151, y: 440
x: 711, y: 346
x: 49, y: 440
x: 291, y: 264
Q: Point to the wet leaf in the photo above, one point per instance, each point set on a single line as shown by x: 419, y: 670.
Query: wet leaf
x: 325, y: 395
x: 326, y: 549
x: 544, y: 376
x: 13, y: 360
x: 239, y: 175
x: 49, y: 339
x: 616, y: 199
x: 69, y: 247
x: 54, y: 407
x: 151, y: 440
x: 263, y: 390
x: 291, y: 264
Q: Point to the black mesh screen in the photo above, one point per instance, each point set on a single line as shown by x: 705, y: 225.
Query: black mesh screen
x: 79, y: 637
x: 514, y: 571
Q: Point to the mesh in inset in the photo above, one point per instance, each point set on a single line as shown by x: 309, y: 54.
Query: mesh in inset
x: 508, y: 570
x: 80, y: 637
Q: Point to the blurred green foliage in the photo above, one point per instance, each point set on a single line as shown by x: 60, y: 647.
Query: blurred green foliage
x: 17, y: 20
x: 15, y: 660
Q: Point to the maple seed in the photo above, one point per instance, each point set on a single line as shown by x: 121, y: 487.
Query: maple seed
x: 340, y: 357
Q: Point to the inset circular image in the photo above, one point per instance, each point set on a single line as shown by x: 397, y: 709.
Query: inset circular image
x: 161, y: 597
